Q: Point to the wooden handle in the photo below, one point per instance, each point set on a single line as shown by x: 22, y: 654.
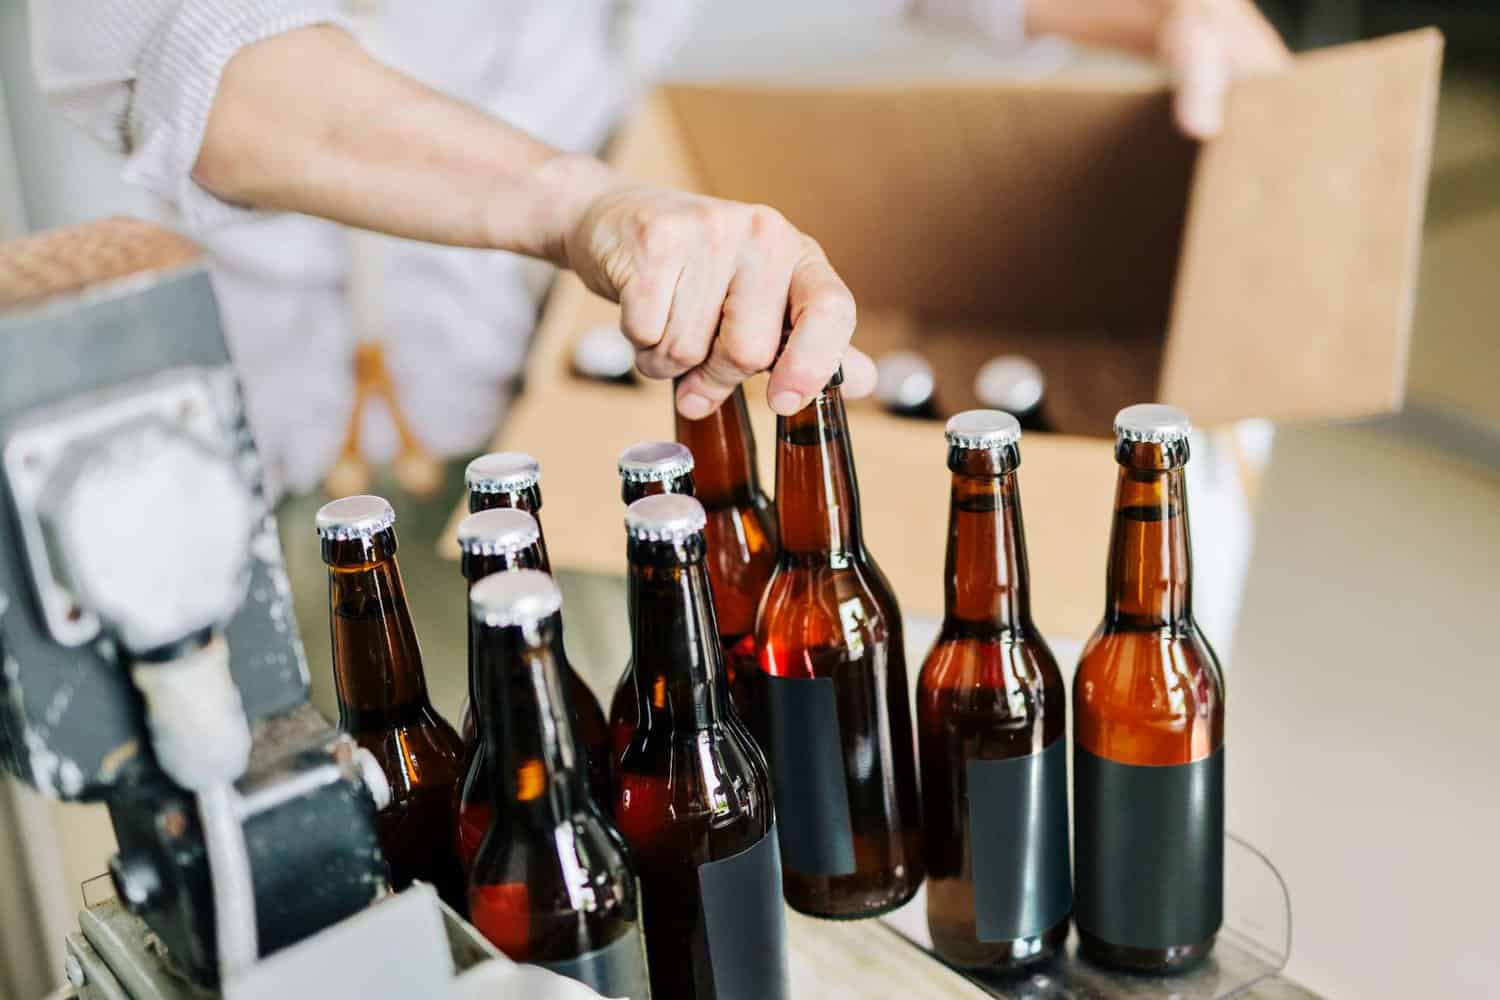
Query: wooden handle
x: 66, y: 261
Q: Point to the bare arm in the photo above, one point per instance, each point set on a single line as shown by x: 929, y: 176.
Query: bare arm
x: 307, y: 122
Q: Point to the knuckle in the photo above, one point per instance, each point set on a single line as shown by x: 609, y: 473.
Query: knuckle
x: 767, y: 224
x: 683, y: 355
x: 834, y: 306
x: 749, y: 357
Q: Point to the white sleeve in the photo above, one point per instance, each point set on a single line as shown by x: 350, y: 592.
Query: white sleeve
x: 1001, y: 22
x: 648, y: 34
x: 141, y: 75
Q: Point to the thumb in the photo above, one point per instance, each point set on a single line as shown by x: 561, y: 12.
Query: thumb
x: 1194, y: 53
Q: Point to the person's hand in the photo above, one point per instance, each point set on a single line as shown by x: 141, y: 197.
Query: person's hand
x: 1204, y: 44
x: 709, y: 288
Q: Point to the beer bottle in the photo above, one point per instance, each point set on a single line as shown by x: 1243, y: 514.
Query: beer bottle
x: 491, y: 541
x: 694, y: 798
x: 508, y: 479
x: 905, y: 384
x: 382, y: 694
x: 835, y: 717
x: 512, y: 479
x: 646, y: 469
x: 1148, y: 734
x: 741, y: 533
x: 990, y: 722
x: 551, y: 884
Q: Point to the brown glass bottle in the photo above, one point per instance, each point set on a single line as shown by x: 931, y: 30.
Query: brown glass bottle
x: 513, y: 479
x: 833, y: 711
x: 646, y: 469
x: 551, y: 883
x: 990, y: 720
x: 694, y: 800
x: 741, y: 533
x: 1148, y: 709
x: 382, y: 694
x: 491, y: 541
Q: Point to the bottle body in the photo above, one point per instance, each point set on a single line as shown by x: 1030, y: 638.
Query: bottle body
x: 1148, y: 702
x: 991, y: 710
x: 383, y: 705
x: 694, y: 799
x: 551, y: 883
x: 832, y: 710
x: 741, y: 534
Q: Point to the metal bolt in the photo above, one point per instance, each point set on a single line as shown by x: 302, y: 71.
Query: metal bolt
x: 74, y: 969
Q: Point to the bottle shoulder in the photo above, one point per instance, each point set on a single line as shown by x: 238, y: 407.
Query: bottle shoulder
x: 803, y: 593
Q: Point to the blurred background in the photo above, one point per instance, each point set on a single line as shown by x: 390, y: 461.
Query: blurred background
x: 1362, y: 674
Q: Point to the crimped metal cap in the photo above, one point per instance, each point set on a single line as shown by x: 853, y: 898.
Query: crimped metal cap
x: 519, y: 597
x: 667, y: 517
x: 655, y: 462
x: 355, y: 518
x: 903, y: 380
x: 982, y: 430
x: 604, y: 352
x: 1011, y: 383
x: 1153, y: 423
x: 497, y: 532
x: 502, y: 472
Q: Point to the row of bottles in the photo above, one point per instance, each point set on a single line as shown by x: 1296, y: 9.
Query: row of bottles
x: 767, y: 661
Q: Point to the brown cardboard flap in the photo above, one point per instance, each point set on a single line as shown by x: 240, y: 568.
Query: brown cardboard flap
x: 1299, y: 262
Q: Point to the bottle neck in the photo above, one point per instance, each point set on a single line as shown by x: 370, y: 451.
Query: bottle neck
x: 723, y: 447
x: 631, y: 491
x: 817, y: 499
x: 1150, y: 561
x: 987, y: 582
x: 526, y: 725
x: 476, y: 567
x: 529, y: 500
x: 676, y: 660
x: 377, y: 662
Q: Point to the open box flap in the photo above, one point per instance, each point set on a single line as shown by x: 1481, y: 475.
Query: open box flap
x: 1299, y: 260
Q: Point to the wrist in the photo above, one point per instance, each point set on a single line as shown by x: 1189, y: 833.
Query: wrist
x: 562, y: 189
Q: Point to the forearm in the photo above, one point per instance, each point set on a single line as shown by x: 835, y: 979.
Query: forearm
x: 308, y: 122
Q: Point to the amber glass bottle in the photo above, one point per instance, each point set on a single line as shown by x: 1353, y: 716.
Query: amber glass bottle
x: 513, y: 479
x: 694, y: 799
x: 990, y: 720
x: 491, y: 541
x: 646, y: 469
x: 551, y: 883
x: 834, y: 717
x: 382, y: 694
x: 741, y: 533
x: 1148, y: 734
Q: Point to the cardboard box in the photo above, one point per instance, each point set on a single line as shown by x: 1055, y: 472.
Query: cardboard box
x: 1269, y: 273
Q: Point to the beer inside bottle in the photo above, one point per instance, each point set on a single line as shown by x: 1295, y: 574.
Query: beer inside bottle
x: 1148, y: 704
x: 741, y: 533
x: 492, y: 541
x: 694, y: 799
x: 833, y: 712
x: 551, y: 883
x: 382, y: 694
x: 990, y: 721
x: 646, y: 469
x: 512, y: 479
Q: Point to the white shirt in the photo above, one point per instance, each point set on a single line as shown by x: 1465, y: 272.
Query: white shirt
x: 296, y: 293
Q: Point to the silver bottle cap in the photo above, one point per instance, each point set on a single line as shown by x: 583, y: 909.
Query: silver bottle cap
x: 1152, y: 423
x: 666, y: 517
x: 520, y: 597
x: 502, y: 472
x: 655, y: 462
x: 356, y: 517
x: 903, y: 380
x: 604, y: 353
x: 1010, y: 383
x: 982, y: 430
x: 497, y: 532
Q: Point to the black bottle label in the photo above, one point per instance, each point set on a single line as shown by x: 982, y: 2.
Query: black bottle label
x: 807, y: 770
x: 1150, y: 847
x: 746, y: 923
x: 1018, y: 842
x: 616, y: 970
